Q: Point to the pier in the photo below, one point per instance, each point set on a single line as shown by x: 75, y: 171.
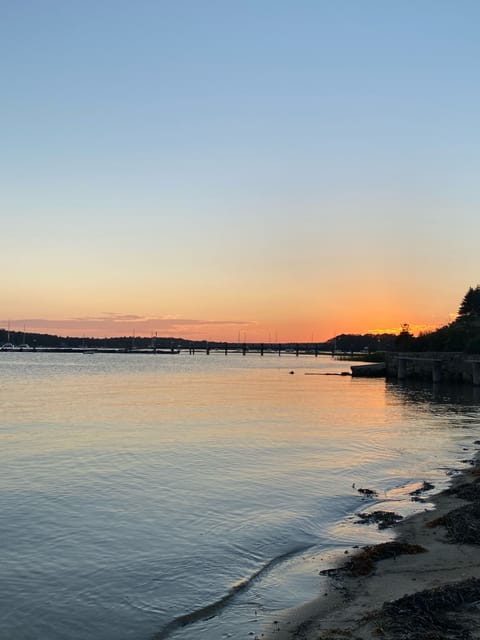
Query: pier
x: 260, y: 348
x: 205, y: 348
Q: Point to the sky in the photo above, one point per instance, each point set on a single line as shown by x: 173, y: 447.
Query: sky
x: 263, y: 170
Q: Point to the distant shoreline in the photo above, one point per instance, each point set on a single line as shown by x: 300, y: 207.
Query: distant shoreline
x: 93, y: 350
x: 231, y: 349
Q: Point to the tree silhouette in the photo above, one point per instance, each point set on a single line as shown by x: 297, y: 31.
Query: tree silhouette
x: 405, y: 339
x: 471, y: 303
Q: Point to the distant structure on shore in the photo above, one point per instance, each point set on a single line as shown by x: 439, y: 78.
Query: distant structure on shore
x: 344, y: 343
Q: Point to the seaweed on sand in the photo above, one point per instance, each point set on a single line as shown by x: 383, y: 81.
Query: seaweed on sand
x: 462, y: 524
x: 363, y: 563
x: 428, y: 615
x: 368, y: 493
x: 466, y: 490
x: 384, y: 519
x: 416, y: 495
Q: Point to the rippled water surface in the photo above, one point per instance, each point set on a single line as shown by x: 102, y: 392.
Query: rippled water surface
x: 142, y: 492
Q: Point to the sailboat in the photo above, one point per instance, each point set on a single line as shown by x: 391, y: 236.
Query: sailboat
x: 7, y: 346
x: 24, y: 346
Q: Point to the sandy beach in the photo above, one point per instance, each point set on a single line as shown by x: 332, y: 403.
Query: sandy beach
x: 424, y: 585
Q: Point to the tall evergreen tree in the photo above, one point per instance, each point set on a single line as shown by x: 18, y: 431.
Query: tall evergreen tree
x: 471, y: 303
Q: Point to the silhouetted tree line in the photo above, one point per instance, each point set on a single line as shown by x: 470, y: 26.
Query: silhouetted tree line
x: 75, y: 342
x: 367, y: 342
x: 344, y: 342
x: 463, y: 334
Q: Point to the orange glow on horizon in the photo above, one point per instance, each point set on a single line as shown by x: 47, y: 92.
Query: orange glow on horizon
x: 415, y: 329
x: 251, y: 315
x: 214, y: 331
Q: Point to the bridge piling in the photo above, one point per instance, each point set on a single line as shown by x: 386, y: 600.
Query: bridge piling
x: 476, y: 373
x: 436, y: 371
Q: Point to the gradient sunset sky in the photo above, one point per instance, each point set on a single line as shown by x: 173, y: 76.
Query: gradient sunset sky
x: 256, y: 169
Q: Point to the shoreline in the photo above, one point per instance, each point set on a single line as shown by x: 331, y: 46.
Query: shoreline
x: 429, y: 583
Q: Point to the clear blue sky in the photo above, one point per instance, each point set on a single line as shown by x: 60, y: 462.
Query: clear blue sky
x: 255, y: 164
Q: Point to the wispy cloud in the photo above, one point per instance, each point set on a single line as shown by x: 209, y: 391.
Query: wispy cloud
x: 111, y: 317
x: 115, y: 324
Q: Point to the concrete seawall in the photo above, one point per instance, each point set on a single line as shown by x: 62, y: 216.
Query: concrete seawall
x: 437, y: 367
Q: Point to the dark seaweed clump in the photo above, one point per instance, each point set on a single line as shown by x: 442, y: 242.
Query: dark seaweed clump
x: 426, y: 486
x: 368, y: 493
x: 462, y: 524
x: 384, y: 519
x: 363, y: 563
x: 466, y: 490
x: 429, y: 614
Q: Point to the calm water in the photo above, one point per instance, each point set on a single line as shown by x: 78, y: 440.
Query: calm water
x: 139, y: 490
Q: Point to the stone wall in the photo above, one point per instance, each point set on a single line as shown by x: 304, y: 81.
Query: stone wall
x: 450, y: 366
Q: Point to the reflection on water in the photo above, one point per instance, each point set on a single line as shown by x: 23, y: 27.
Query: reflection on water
x: 456, y: 396
x: 140, y: 489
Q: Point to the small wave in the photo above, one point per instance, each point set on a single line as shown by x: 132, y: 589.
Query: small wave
x: 212, y: 609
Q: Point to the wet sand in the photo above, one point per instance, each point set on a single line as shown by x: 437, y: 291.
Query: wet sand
x: 432, y: 594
